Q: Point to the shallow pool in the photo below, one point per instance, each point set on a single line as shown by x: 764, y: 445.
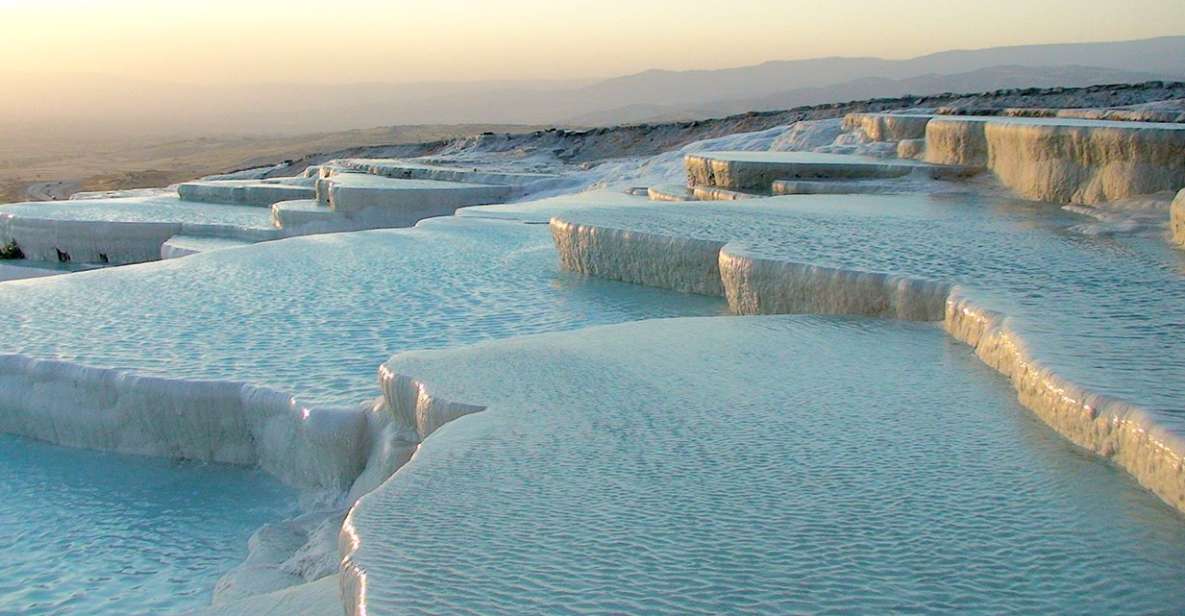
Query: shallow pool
x: 162, y: 208
x: 775, y: 465
x: 1104, y: 311
x: 84, y: 532
x: 315, y: 316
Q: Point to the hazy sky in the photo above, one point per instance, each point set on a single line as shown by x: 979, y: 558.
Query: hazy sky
x: 411, y: 40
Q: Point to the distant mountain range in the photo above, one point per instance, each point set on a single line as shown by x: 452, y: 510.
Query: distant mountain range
x: 114, y: 104
x: 984, y: 79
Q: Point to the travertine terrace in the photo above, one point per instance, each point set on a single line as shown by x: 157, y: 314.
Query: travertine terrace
x: 790, y: 255
x: 722, y: 493
x: 1059, y: 160
x: 630, y: 370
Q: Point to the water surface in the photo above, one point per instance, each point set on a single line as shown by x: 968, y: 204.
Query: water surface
x: 769, y: 465
x: 315, y: 316
x: 85, y: 532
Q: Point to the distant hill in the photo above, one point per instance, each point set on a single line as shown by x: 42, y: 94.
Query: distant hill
x: 985, y: 79
x: 1163, y: 56
x: 91, y: 102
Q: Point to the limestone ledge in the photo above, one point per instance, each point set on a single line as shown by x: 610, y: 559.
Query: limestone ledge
x: 371, y: 201
x: 833, y: 187
x: 320, y: 448
x: 1177, y: 218
x: 416, y: 413
x: 341, y: 453
x: 676, y: 192
x: 1125, y: 434
x: 887, y: 126
x: 410, y: 170
x: 755, y: 285
x: 712, y: 193
x: 1064, y: 161
x: 682, y: 264
x: 109, y: 242
x: 755, y: 173
x: 260, y: 193
x: 670, y: 193
x: 912, y: 149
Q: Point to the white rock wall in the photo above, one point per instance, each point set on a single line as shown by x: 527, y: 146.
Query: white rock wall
x: 758, y: 175
x: 754, y: 285
x: 241, y: 193
x: 682, y: 264
x: 308, y: 216
x: 712, y: 193
x: 113, y: 242
x: 117, y: 243
x: 670, y: 192
x: 415, y: 171
x: 214, y: 421
x: 887, y: 126
x: 1058, y: 163
x: 1127, y: 435
x: 410, y: 412
x: 912, y: 149
x: 1085, y: 165
x: 954, y: 141
x: 833, y: 187
x: 1177, y: 218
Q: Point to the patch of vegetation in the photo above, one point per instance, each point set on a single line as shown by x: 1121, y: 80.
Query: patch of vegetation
x: 11, y: 251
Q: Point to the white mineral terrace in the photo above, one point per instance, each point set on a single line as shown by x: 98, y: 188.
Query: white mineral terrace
x: 216, y: 214
x: 967, y: 261
x: 691, y: 466
x: 757, y: 171
x: 888, y: 126
x: 410, y: 170
x: 305, y: 214
x: 260, y: 193
x: 186, y: 245
x: 829, y: 187
x: 1059, y: 160
x: 348, y: 199
x: 670, y: 192
x: 586, y: 412
x: 377, y: 201
x: 264, y: 351
x: 675, y: 192
x: 128, y: 230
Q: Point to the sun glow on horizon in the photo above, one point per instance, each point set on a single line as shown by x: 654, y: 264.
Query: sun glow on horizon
x: 463, y: 40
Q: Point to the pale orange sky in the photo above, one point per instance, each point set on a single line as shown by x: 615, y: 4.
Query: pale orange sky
x: 452, y: 40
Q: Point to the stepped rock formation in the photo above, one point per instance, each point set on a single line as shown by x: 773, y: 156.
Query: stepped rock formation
x: 693, y: 465
x: 376, y: 201
x: 757, y: 171
x: 750, y: 255
x: 1066, y: 161
x: 887, y: 126
x: 956, y: 141
x: 260, y: 193
x: 264, y: 355
x: 121, y: 231
x: 1054, y: 159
